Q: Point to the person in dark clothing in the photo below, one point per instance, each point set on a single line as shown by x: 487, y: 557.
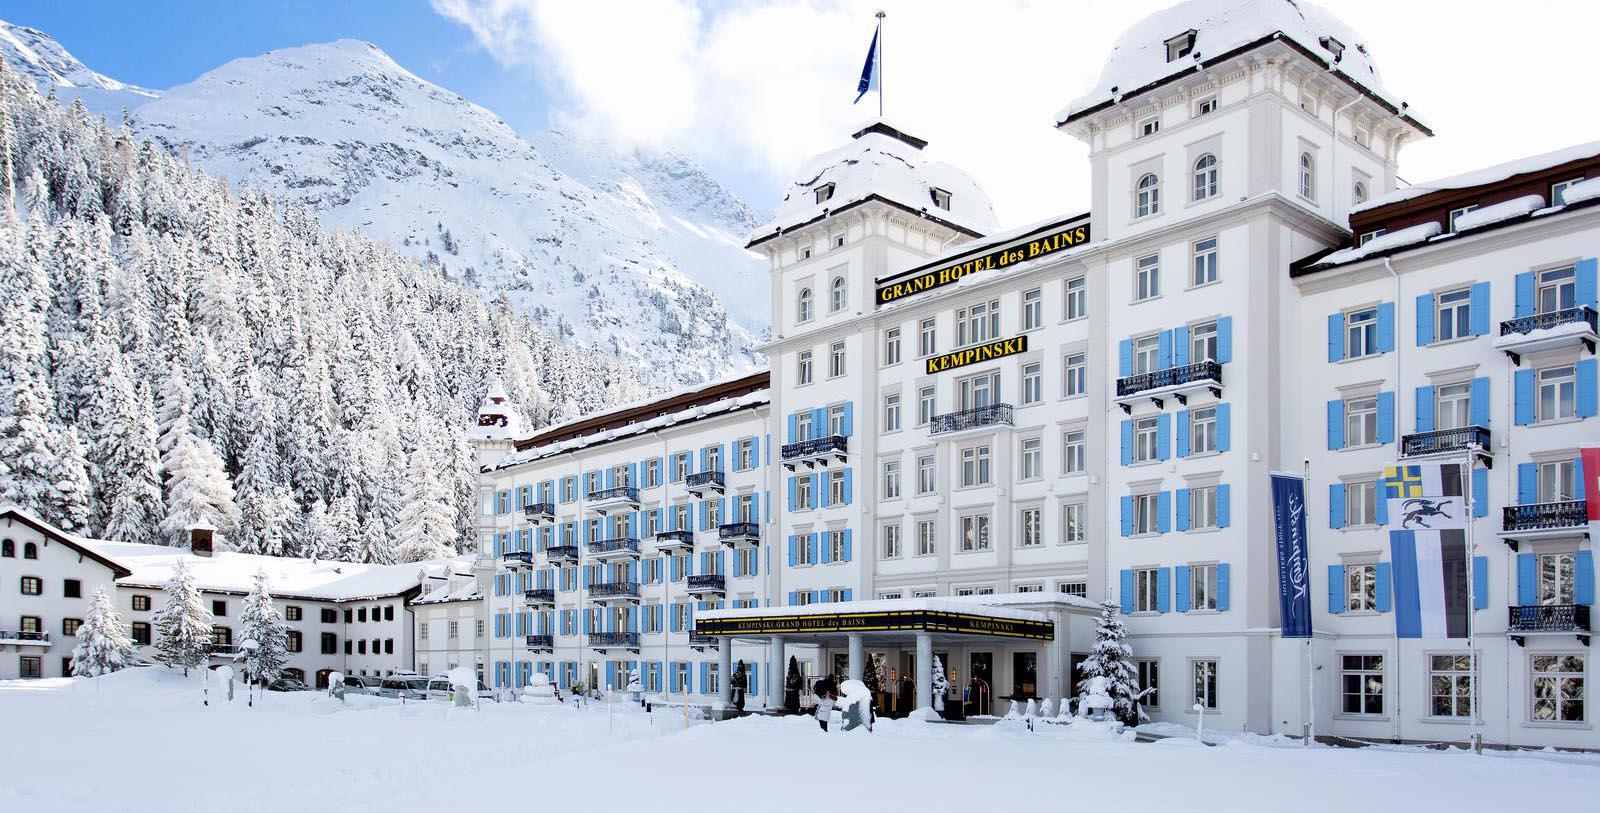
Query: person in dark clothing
x: 908, y: 696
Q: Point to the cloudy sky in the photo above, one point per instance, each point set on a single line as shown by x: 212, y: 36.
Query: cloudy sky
x: 752, y: 89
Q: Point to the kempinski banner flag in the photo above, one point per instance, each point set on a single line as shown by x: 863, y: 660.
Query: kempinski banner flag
x: 1294, y: 565
x: 1428, y: 516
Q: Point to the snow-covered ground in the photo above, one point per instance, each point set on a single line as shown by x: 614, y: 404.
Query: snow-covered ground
x: 141, y: 741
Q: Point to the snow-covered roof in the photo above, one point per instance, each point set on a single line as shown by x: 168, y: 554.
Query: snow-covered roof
x: 232, y: 572
x: 971, y: 605
x: 880, y: 161
x: 456, y: 587
x: 1377, y: 245
x: 1139, y: 57
x: 78, y: 543
x: 1486, y: 175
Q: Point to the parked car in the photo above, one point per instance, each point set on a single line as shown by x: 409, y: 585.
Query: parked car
x: 404, y: 687
x: 360, y: 684
x: 439, y: 689
x: 288, y: 684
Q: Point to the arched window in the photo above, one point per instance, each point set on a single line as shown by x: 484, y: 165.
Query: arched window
x: 803, y: 306
x: 30, y: 551
x: 1147, y: 201
x: 1205, y: 177
x: 8, y: 549
x: 837, y: 295
x: 1359, y: 193
x: 1308, y: 176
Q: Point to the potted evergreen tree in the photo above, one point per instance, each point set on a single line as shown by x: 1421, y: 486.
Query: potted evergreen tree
x: 792, y: 684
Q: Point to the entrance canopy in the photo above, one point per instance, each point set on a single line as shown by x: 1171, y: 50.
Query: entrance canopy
x: 832, y: 624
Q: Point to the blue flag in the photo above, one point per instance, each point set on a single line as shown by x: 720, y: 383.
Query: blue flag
x: 1294, y: 561
x: 869, y: 71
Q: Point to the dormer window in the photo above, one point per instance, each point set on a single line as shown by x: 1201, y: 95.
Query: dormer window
x: 1332, y: 46
x: 1180, y: 46
x: 1149, y: 126
x: 824, y: 192
x: 941, y: 198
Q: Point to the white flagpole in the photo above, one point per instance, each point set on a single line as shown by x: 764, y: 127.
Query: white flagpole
x: 1311, y: 668
x: 1472, y: 604
x: 880, y: 63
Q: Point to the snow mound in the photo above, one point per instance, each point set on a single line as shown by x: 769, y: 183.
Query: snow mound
x: 1505, y: 210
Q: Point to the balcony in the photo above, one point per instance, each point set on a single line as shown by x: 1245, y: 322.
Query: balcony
x: 702, y: 483
x: 1547, y: 331
x: 675, y: 541
x: 540, y: 512
x: 701, y: 643
x: 734, y: 534
x: 541, y: 643
x: 604, y: 641
x: 984, y: 417
x: 517, y: 558
x: 562, y: 554
x: 609, y: 500
x: 539, y: 597
x: 21, y: 638
x: 708, y: 584
x: 230, y: 652
x: 609, y: 593
x: 1548, y: 619
x: 607, y: 550
x: 1448, y: 443
x: 815, y: 452
x: 1542, y: 519
x: 1179, y: 382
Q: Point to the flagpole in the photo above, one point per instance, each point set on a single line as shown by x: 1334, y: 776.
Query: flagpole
x: 1311, y: 670
x: 1472, y: 602
x: 880, y: 63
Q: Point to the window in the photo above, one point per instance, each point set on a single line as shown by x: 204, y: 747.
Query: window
x: 71, y: 588
x: 1079, y: 589
x: 1558, y: 191
x: 1359, y: 192
x: 141, y: 633
x: 974, y: 532
x: 291, y: 613
x: 1149, y: 681
x: 1203, y: 342
x: 891, y: 479
x: 1455, y: 214
x: 1453, y: 406
x: 1361, y: 684
x: 925, y: 475
x: 1032, y: 459
x: 975, y: 466
x: 1455, y: 315
x: 835, y: 547
x: 802, y: 306
x: 1147, y: 278
x: 1074, y: 375
x: 941, y: 198
x: 1202, y: 507
x: 1558, y: 289
x: 1360, y: 422
x: 1308, y: 176
x: 32, y: 586
x: 744, y: 455
x: 69, y: 626
x: 1205, y: 177
x: 1556, y: 578
x: 804, y: 371
x: 891, y: 541
x: 1558, y: 688
x: 836, y: 359
x: 1146, y: 590
x: 925, y: 406
x: 1147, y: 196
x: 1205, y: 107
x: 1074, y: 451
x: 454, y: 630
x: 221, y: 636
x: 8, y: 549
x: 1557, y: 481
x: 978, y: 323
x: 422, y: 630
x: 891, y: 346
x: 141, y: 603
x: 32, y: 625
x: 926, y: 338
x: 1149, y: 126
x: 836, y: 420
x: 1360, y: 503
x: 1558, y: 391
x: 1030, y: 527
x: 1180, y: 46
x: 1072, y: 523
x: 837, y: 295
x: 1145, y: 439
x: 1361, y: 333
x: 891, y: 412
x: 1032, y: 309
x: 652, y: 472
x: 1205, y: 683
x: 30, y: 666
x: 1450, y: 685
x: 802, y: 493
x: 1077, y: 298
x: 1368, y: 236
x: 1032, y: 383
x: 294, y: 640
x: 1205, y: 262
x: 925, y: 538
x: 30, y: 551
x: 1361, y: 587
x: 824, y: 192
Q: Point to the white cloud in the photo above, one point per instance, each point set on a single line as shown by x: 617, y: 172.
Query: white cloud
x: 756, y: 89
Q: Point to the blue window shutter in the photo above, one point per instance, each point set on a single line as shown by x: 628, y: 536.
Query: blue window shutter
x: 848, y: 490
x: 1335, y: 589
x: 1225, y: 340
x: 1480, y: 492
x: 1478, y: 400
x: 1582, y: 492
x: 825, y: 551
x: 1164, y: 349
x: 847, y: 594
x: 792, y: 481
x: 1183, y: 588
x: 1386, y: 327
x: 1527, y: 482
x: 1224, y: 427
x: 1183, y: 509
x: 1525, y: 290
x: 1479, y: 309
x: 1522, y: 397
x: 1180, y: 346
x: 1386, y: 416
x: 819, y: 422
x: 1181, y: 449
x: 1125, y: 358
x: 721, y: 561
x: 1222, y: 586
x: 1480, y: 582
x: 1336, y: 424
x: 1335, y: 337
x: 755, y: 452
x: 811, y: 546
x: 1385, y: 587
x: 1336, y: 505
x: 817, y: 489
x: 1425, y: 320
x: 1587, y: 388
x: 1127, y: 590
x: 847, y: 544
x: 611, y: 478
x: 1425, y: 408
x: 1164, y: 511
x: 1127, y: 516
x: 793, y: 550
x: 1222, y: 506
x: 849, y: 421
x: 1586, y: 282
x: 1583, y: 578
x: 1381, y: 503
x: 1164, y: 590
x: 794, y: 597
x: 1163, y: 436
x: 1527, y: 579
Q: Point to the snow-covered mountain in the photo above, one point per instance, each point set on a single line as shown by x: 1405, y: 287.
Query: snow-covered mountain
x: 38, y: 55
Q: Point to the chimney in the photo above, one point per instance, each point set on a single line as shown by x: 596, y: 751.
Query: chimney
x: 200, y: 539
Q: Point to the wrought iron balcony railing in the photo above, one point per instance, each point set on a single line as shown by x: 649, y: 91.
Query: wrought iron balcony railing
x: 610, y: 590
x: 621, y: 545
x: 1549, y: 618
x: 991, y: 415
x: 539, y: 510
x: 702, y: 480
x: 1444, y: 441
x: 517, y: 557
x: 623, y: 493
x: 707, y: 583
x: 14, y: 636
x: 815, y: 446
x: 735, y: 531
x: 540, y: 595
x: 1200, y: 372
x: 678, y: 538
x: 562, y: 553
x: 541, y: 642
x: 1545, y: 516
x: 608, y: 640
x: 1523, y: 325
x: 699, y: 641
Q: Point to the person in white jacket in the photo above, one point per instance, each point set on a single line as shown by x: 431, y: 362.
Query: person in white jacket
x: 823, y: 696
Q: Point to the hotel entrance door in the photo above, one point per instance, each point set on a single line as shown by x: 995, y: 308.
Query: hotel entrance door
x: 977, y: 690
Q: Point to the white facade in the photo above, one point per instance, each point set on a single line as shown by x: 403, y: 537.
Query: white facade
x: 47, y: 583
x: 450, y: 626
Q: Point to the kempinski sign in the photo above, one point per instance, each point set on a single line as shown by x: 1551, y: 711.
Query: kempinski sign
x: 1040, y: 246
x: 982, y: 352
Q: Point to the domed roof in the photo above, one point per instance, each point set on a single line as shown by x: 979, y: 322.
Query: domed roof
x: 881, y: 161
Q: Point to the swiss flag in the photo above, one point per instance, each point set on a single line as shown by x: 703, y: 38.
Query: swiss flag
x: 1590, y: 475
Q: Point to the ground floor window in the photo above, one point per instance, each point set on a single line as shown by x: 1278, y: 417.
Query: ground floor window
x: 652, y: 676
x: 31, y: 667
x: 1361, y: 681
x: 1150, y: 683
x: 1557, y: 688
x: 1205, y: 684
x: 1450, y: 685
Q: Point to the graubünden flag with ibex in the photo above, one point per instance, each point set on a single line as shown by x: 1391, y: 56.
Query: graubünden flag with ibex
x: 1428, y: 516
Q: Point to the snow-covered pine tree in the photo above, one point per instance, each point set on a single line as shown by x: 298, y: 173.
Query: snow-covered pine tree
x: 125, y: 465
x: 103, y: 642
x: 198, y: 491
x: 941, y: 684
x: 1112, y: 659
x: 183, y: 624
x: 265, y: 626
x: 427, y: 527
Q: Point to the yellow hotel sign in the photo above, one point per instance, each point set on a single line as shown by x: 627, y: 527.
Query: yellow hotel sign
x: 1000, y: 258
x: 973, y: 355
